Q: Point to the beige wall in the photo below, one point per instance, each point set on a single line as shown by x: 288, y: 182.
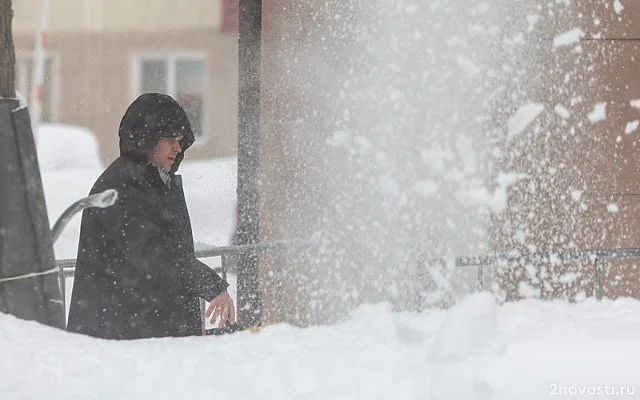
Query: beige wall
x: 119, y: 15
x: 95, y: 81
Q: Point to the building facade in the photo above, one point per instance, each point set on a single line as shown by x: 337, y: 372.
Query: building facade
x: 575, y: 63
x: 100, y: 55
x: 580, y: 156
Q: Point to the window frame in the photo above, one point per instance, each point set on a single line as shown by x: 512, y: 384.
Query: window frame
x: 54, y: 57
x: 171, y: 59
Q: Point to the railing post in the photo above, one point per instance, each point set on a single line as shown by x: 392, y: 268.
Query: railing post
x: 203, y: 320
x: 63, y: 292
x: 598, y: 279
x: 223, y: 265
x: 540, y: 280
x: 480, y: 284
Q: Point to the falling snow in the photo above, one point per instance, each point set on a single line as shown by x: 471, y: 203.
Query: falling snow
x: 568, y: 38
x: 631, y: 127
x: 562, y: 111
x: 599, y: 113
x: 525, y: 115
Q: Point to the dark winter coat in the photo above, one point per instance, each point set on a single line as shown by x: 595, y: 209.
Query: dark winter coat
x: 137, y: 275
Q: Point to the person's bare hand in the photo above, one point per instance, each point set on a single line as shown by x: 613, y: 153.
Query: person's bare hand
x: 222, y: 306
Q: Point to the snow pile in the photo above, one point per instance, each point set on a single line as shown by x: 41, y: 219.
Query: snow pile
x: 477, y: 350
x: 463, y: 348
x: 67, y: 147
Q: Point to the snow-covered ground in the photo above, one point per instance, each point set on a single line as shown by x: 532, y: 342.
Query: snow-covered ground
x: 536, y: 350
x: 476, y: 350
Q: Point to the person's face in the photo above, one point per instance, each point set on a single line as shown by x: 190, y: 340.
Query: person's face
x: 164, y: 153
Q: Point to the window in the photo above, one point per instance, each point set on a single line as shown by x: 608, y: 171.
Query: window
x: 181, y: 77
x: 24, y: 69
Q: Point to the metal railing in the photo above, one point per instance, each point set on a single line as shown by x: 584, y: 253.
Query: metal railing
x: 539, y: 259
x: 67, y: 265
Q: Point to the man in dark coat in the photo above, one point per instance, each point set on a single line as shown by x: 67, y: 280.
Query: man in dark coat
x: 137, y: 275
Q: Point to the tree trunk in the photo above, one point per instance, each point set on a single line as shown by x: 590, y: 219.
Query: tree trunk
x: 7, y: 53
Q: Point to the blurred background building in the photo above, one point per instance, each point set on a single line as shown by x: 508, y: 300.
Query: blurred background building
x: 101, y: 54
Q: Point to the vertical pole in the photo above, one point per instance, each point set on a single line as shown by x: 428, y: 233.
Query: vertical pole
x: 26, y: 245
x: 249, y: 42
x: 62, y: 281
x: 37, y: 73
x: 7, y: 52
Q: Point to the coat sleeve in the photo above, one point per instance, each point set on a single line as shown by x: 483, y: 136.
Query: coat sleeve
x: 201, y: 281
